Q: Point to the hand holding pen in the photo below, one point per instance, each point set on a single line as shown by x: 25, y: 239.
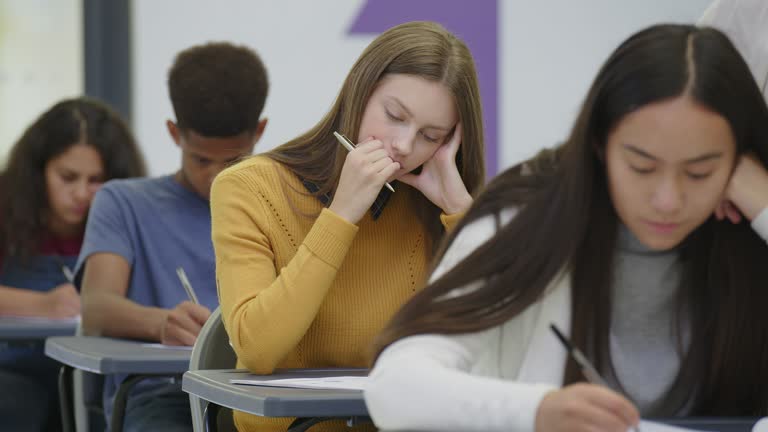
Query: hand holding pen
x: 585, y: 407
x: 182, y: 324
x: 366, y: 170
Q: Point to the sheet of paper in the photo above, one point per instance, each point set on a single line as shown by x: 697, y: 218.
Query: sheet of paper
x: 170, y: 347
x: 325, y: 383
x: 649, y: 426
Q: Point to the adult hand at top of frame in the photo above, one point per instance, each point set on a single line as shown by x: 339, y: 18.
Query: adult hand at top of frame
x: 365, y: 170
x: 183, y: 323
x: 585, y: 407
x: 440, y: 180
x: 747, y: 191
x: 63, y: 301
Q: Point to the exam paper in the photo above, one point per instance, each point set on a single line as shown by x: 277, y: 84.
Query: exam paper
x: 323, y: 383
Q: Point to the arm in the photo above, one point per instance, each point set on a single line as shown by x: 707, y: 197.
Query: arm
x: 426, y: 383
x: 60, y: 302
x: 266, y: 314
x: 107, y: 311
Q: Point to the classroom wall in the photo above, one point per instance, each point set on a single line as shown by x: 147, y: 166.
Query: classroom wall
x: 41, y: 61
x: 547, y: 52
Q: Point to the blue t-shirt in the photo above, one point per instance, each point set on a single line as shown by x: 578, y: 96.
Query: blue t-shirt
x: 157, y: 226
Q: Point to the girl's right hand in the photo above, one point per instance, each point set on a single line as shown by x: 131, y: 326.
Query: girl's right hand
x: 585, y: 407
x: 61, y: 302
x: 365, y: 171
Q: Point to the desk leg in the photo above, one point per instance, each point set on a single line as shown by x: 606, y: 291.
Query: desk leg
x: 65, y: 399
x: 121, y: 399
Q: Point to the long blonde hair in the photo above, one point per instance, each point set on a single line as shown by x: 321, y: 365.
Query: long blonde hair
x: 420, y: 48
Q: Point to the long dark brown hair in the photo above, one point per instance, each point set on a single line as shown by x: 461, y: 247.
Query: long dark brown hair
x: 24, y: 203
x: 566, y: 221
x: 419, y: 48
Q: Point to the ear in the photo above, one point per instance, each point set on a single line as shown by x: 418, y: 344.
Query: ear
x: 259, y: 130
x: 173, y: 131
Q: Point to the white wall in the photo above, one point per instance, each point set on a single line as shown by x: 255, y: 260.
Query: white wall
x: 41, y: 61
x: 550, y: 51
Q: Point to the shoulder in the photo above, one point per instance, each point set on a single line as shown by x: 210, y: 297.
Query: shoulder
x: 128, y: 188
x: 482, y: 229
x: 258, y: 174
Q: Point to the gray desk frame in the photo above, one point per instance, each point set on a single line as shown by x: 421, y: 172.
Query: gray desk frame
x: 21, y: 329
x: 106, y: 356
x: 309, y: 406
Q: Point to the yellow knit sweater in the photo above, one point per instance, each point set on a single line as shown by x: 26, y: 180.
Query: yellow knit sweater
x: 307, y: 292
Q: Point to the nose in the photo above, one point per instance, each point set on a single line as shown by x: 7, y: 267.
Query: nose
x: 669, y: 195
x: 83, y: 191
x: 402, y: 144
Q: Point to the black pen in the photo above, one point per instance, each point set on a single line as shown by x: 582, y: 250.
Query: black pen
x: 589, y: 371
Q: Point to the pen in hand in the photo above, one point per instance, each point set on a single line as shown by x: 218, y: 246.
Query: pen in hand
x: 587, y: 369
x: 68, y: 274
x: 187, y: 286
x: 344, y: 141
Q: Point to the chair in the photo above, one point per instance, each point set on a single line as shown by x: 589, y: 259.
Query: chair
x: 211, y: 351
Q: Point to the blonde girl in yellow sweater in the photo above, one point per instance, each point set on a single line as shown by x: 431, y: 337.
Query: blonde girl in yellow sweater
x: 313, y: 253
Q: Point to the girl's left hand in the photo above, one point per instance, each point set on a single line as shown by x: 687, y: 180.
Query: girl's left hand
x: 746, y: 193
x: 440, y: 180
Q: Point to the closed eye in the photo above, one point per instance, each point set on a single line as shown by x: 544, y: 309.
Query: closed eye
x: 697, y: 176
x: 640, y: 170
x: 393, y: 117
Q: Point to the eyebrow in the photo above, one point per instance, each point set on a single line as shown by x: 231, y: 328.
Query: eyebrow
x: 703, y: 158
x: 407, y: 111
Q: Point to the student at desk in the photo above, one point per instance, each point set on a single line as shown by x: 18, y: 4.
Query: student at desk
x: 313, y: 252
x: 141, y: 231
x: 53, y: 172
x: 643, y: 237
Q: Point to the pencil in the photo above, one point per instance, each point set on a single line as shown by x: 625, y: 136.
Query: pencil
x: 349, y: 146
x: 68, y: 274
x: 187, y: 286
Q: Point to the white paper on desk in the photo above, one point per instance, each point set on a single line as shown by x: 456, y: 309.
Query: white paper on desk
x: 323, y: 383
x: 170, y: 347
x: 649, y: 426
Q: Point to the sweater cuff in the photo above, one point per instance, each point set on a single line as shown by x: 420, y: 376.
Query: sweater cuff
x: 526, y: 418
x: 760, y: 224
x: 330, y: 237
x: 450, y: 221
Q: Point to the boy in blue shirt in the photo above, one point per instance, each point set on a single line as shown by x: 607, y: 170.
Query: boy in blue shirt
x: 140, y: 231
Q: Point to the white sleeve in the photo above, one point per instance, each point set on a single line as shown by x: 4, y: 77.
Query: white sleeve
x: 427, y: 382
x: 760, y: 224
x: 746, y: 24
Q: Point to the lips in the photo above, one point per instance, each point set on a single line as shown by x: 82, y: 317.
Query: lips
x: 663, y: 227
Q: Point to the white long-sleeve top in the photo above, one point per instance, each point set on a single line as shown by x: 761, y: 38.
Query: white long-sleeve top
x: 491, y: 380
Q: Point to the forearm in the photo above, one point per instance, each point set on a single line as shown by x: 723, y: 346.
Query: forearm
x: 21, y: 302
x: 112, y: 315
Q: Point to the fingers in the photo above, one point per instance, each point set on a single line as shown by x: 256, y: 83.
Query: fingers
x: 183, y: 323
x: 622, y: 410
x: 732, y: 212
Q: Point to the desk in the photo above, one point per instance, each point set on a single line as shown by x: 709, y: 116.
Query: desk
x: 309, y: 406
x: 19, y: 329
x: 105, y: 356
x: 719, y: 424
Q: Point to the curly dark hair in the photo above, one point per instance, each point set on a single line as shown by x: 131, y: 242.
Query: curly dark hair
x: 23, y: 196
x: 218, y: 89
